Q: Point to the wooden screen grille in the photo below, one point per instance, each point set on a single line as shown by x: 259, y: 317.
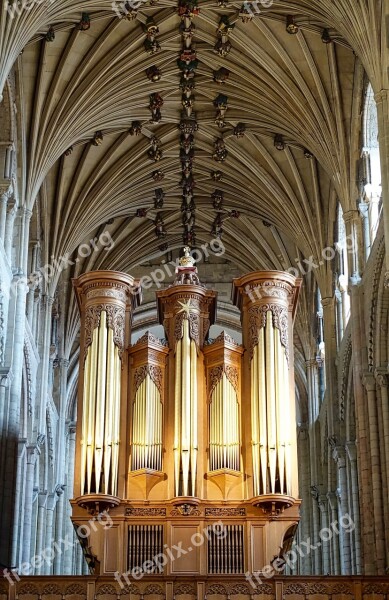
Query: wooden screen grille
x: 144, y: 543
x: 226, y: 550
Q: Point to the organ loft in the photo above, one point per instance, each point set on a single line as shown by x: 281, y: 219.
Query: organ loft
x: 183, y: 437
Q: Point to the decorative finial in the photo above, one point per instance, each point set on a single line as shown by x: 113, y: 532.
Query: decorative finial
x: 187, y: 260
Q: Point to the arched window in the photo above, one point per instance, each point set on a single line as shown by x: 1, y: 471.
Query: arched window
x: 371, y: 172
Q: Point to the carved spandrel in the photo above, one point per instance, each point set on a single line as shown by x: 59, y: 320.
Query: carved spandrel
x: 216, y: 374
x: 155, y: 374
x: 115, y: 321
x: 257, y: 321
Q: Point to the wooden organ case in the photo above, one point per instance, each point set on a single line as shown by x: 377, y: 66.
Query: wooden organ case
x: 186, y: 442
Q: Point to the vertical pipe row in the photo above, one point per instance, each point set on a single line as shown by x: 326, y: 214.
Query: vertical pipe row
x: 185, y: 418
x: 146, y: 452
x: 270, y: 413
x: 224, y: 427
x: 225, y: 555
x: 145, y: 542
x: 177, y: 418
x: 101, y: 412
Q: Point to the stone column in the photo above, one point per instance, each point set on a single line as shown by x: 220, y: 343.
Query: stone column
x: 331, y: 373
x: 382, y: 381
x: 49, y: 537
x: 46, y: 315
x: 14, y: 356
x: 375, y: 466
x: 41, y: 529
x: 343, y: 491
x: 353, y: 250
x: 334, y: 516
x: 352, y: 456
x: 19, y: 491
x: 68, y: 567
x: 304, y: 485
x: 316, y: 559
x: 339, y: 317
x: 3, y: 214
x: 325, y: 545
x: 31, y: 294
x: 9, y: 227
x: 313, y: 391
x: 32, y: 454
x: 364, y: 210
x: 59, y: 515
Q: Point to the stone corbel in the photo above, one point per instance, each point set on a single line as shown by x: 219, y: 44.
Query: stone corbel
x: 381, y: 377
x: 33, y: 451
x: 59, y: 489
x: 332, y: 500
x: 323, y: 502
x: 339, y: 456
x: 6, y: 377
x: 369, y: 382
x: 351, y: 449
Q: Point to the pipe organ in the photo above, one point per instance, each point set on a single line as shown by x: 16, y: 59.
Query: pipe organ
x: 180, y: 437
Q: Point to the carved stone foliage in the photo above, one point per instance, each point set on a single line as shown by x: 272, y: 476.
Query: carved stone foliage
x: 145, y: 512
x: 234, y: 511
x: 257, y: 320
x: 115, y: 321
x: 216, y: 374
x: 155, y: 374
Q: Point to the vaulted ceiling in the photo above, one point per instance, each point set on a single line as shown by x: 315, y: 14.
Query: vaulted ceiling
x: 279, y: 205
